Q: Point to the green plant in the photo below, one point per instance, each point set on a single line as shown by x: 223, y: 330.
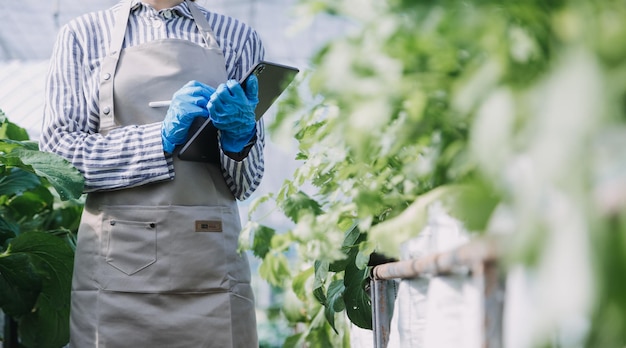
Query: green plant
x: 503, y: 111
x: 39, y: 215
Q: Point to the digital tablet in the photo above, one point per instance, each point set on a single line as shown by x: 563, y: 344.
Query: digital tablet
x: 202, y: 144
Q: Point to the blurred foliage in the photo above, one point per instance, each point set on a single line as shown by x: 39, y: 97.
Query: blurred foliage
x: 40, y: 210
x: 512, y: 114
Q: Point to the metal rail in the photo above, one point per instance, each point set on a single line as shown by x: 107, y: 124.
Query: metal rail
x: 478, y: 258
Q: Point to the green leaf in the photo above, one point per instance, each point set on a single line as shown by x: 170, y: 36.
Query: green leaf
x: 51, y: 259
x: 47, y: 327
x: 275, y: 269
x: 362, y: 257
x: 7, y: 230
x: 9, y: 130
x: 262, y: 240
x: 61, y: 174
x: 294, y: 341
x: 8, y: 145
x: 18, y: 181
x: 281, y: 242
x: 309, y: 130
x: 389, y: 234
x: 299, y: 204
x: 320, y: 294
x: 353, y: 237
x: 321, y: 273
x: 64, y: 216
x: 357, y: 300
x: 339, y: 265
x: 335, y: 302
x: 299, y: 282
x: 254, y: 205
x: 25, y: 206
x: 65, y: 235
x: 20, y: 284
x: 319, y: 339
x: 353, y: 234
x: 473, y: 205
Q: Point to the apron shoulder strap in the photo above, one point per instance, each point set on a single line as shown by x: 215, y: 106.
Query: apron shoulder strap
x: 109, y: 65
x: 203, y: 25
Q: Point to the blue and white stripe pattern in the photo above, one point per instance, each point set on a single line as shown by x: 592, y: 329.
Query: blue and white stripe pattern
x: 132, y: 156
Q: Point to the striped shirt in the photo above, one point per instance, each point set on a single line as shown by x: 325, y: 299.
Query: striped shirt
x: 133, y: 155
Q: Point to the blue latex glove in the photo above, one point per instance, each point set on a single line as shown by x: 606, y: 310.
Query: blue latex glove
x: 187, y: 103
x: 232, y: 112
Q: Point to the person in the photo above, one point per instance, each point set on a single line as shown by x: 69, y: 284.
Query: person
x: 156, y: 261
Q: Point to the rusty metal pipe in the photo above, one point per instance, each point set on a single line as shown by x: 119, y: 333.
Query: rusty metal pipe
x: 458, y: 259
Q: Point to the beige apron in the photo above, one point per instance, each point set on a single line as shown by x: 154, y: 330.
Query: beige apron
x: 157, y: 265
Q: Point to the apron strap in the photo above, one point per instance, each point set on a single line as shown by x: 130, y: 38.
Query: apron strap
x: 109, y: 62
x: 203, y: 25
x: 109, y: 65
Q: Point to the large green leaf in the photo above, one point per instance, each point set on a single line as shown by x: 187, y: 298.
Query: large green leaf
x: 18, y: 181
x: 61, y: 174
x: 51, y: 259
x: 69, y: 237
x: 47, y: 327
x: 20, y: 284
x: 357, y: 300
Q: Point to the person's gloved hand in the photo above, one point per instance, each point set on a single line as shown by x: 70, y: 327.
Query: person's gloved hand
x: 187, y: 103
x: 231, y: 110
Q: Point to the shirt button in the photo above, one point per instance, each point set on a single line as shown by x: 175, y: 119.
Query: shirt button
x: 167, y: 14
x: 156, y: 22
x: 106, y: 110
x: 107, y: 76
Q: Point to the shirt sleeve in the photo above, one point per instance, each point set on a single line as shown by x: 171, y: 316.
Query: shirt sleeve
x: 125, y: 157
x: 243, y: 177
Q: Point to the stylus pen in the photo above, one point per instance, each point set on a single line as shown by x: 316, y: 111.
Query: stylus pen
x: 159, y: 104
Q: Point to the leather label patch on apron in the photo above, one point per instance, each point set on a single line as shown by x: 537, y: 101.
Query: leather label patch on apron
x: 208, y: 226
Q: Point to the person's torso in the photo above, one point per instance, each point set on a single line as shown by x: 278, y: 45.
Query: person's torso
x: 146, y: 25
x: 196, y: 211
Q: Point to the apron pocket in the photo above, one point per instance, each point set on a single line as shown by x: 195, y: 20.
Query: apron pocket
x: 132, y: 258
x: 132, y: 245
x: 154, y: 249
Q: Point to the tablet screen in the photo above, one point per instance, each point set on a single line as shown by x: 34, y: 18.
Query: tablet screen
x: 273, y: 79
